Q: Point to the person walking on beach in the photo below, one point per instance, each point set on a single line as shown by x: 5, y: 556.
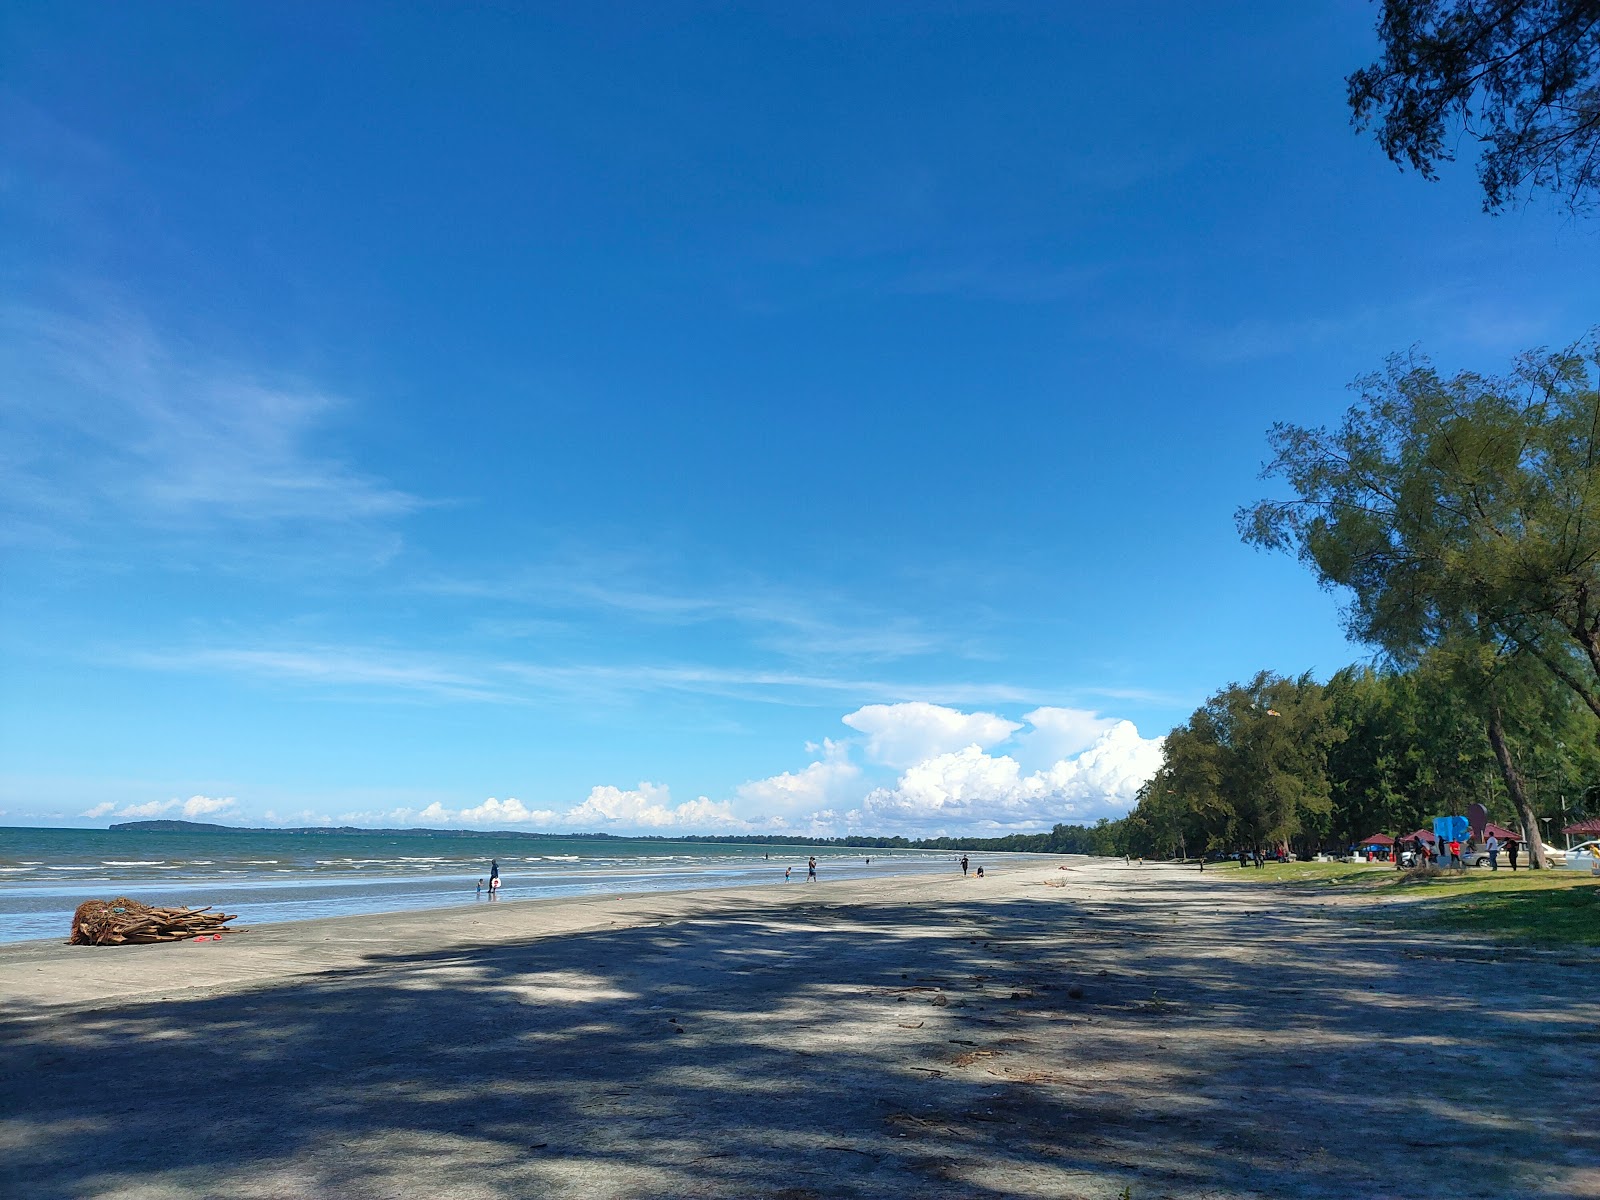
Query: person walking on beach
x: 494, y: 873
x: 480, y: 889
x: 786, y: 872
x: 811, y: 869
x: 963, y: 864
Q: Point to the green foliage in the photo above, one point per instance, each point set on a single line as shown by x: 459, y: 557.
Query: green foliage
x: 1465, y: 509
x: 1372, y: 751
x: 1521, y: 77
x: 1250, y: 765
x: 1464, y: 517
x: 1105, y: 837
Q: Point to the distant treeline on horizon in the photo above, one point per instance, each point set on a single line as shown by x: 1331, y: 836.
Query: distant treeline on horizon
x: 1063, y: 839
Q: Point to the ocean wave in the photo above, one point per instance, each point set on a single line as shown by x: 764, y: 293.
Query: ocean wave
x: 142, y: 862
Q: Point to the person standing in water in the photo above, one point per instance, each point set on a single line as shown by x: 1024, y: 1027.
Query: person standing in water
x: 963, y: 864
x: 811, y: 869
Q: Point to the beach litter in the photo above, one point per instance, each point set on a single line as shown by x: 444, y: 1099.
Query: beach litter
x: 129, y: 922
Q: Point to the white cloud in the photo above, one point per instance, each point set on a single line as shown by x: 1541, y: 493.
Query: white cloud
x: 969, y: 789
x: 899, y: 735
x: 110, y: 418
x: 509, y: 811
x: 1111, y: 771
x: 955, y: 784
x: 649, y: 806
x: 646, y: 807
x: 826, y: 781
x: 204, y: 806
x: 1058, y: 733
x: 191, y: 809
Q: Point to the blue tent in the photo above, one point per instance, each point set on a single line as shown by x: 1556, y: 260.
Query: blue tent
x: 1448, y: 828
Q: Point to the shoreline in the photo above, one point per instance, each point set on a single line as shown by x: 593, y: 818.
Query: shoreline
x: 343, y: 942
x: 1039, y: 1033
x: 34, y: 910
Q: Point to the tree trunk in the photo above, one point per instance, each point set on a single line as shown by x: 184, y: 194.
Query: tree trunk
x: 1519, y: 795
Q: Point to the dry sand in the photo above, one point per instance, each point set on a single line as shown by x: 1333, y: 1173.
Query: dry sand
x: 1147, y: 1028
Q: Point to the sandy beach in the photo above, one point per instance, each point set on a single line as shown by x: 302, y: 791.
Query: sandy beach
x: 1042, y: 1032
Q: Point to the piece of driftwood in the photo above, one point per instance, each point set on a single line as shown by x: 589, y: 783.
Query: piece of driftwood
x: 122, y: 922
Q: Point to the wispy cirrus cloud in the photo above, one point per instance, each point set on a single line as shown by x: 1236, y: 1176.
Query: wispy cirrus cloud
x: 815, y: 626
x: 106, y: 420
x: 409, y: 674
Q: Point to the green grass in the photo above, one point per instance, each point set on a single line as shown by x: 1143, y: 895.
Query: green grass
x: 1537, y: 908
x: 1336, y: 873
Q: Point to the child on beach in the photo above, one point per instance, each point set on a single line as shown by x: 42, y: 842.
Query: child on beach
x: 480, y: 889
x: 786, y: 872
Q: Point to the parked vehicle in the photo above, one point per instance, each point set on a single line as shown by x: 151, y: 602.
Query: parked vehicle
x: 1583, y: 857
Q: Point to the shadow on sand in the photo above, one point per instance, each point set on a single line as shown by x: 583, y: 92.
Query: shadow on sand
x: 1177, y: 1041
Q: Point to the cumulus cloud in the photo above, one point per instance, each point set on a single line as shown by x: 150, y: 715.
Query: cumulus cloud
x: 826, y: 781
x: 950, y: 780
x: 191, y: 809
x: 899, y: 735
x: 606, y: 808
x: 970, y: 789
x: 1058, y: 733
x: 509, y: 811
x: 649, y: 806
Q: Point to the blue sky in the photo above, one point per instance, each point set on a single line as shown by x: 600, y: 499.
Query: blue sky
x: 683, y: 418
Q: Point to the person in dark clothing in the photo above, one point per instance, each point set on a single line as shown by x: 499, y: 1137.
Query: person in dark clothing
x: 963, y: 864
x: 1511, y: 852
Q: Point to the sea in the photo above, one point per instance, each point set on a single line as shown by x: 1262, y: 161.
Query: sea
x: 270, y: 875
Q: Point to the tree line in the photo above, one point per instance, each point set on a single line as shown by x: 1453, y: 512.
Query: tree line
x: 1460, y: 517
x: 1287, y: 760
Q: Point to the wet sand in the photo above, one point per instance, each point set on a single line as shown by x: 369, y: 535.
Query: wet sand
x: 1147, y: 1028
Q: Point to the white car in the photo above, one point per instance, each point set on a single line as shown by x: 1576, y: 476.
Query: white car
x: 1583, y: 857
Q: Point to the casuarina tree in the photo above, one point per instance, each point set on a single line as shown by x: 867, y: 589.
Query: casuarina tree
x: 1519, y: 77
x: 1461, y: 512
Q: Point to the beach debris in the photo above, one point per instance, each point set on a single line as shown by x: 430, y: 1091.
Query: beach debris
x: 123, y: 921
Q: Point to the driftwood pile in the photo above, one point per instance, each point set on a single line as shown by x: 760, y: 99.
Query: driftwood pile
x: 122, y: 922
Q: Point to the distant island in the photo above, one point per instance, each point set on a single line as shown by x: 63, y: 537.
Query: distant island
x: 1063, y: 839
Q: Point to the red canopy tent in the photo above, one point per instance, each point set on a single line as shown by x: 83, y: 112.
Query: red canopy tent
x: 1584, y: 828
x: 1501, y: 832
x: 1425, y: 835
x: 1377, y: 839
